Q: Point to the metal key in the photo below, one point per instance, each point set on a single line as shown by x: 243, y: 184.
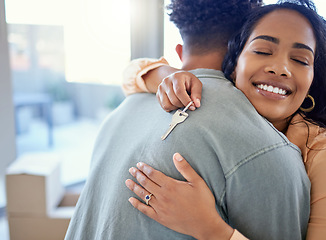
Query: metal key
x: 178, y: 117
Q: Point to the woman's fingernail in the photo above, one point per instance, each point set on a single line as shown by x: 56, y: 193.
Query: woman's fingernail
x: 178, y: 157
x: 192, y: 108
x: 127, y: 182
x: 140, y: 164
x: 197, y: 102
x: 132, y: 170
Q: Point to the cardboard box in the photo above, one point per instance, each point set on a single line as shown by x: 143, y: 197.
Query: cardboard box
x: 33, y: 184
x: 37, y: 206
x: 51, y: 227
x: 24, y: 228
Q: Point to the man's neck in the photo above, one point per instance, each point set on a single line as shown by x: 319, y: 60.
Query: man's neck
x: 212, y: 60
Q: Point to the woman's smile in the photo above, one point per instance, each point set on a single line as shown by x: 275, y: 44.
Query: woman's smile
x: 272, y: 90
x: 276, y: 67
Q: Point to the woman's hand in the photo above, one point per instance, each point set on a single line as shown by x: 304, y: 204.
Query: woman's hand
x: 174, y: 90
x: 187, y: 207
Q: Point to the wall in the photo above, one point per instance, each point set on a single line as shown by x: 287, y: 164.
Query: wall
x: 7, y: 128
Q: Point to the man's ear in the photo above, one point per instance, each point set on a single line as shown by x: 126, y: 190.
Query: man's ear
x: 179, y: 49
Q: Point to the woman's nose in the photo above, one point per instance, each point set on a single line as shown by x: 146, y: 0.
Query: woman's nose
x: 279, y: 69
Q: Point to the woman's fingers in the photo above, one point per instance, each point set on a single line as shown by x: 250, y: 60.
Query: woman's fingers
x: 196, y: 90
x: 185, y: 169
x: 147, y: 210
x: 140, y: 192
x: 188, y: 88
x: 137, y: 189
x: 152, y: 179
x: 150, y: 185
x: 167, y: 98
x: 182, y: 206
x: 180, y: 92
x: 164, y: 101
x: 153, y: 175
x: 169, y: 88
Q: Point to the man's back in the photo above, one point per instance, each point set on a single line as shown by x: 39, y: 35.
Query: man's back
x: 255, y: 174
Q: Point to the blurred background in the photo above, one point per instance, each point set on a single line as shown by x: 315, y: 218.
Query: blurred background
x: 61, y: 71
x: 66, y: 62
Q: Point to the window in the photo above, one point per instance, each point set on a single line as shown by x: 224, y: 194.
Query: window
x: 67, y: 59
x: 171, y: 39
x: 96, y: 34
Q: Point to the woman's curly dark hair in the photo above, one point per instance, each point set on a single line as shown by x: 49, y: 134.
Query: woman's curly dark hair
x: 209, y: 24
x: 318, y: 87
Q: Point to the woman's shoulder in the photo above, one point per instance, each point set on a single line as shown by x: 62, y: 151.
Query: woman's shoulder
x: 302, y: 127
x: 309, y: 137
x: 317, y: 148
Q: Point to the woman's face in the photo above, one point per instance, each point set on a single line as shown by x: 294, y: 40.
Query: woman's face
x: 276, y: 67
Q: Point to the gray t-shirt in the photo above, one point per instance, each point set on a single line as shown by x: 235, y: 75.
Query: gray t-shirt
x: 255, y: 173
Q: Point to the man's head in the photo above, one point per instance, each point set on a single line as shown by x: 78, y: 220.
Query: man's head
x: 207, y: 25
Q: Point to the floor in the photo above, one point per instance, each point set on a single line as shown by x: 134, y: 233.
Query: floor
x: 73, y: 142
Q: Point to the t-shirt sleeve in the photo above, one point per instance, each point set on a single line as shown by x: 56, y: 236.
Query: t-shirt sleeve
x: 133, y: 81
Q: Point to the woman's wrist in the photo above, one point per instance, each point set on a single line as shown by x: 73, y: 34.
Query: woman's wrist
x: 155, y: 76
x: 217, y: 229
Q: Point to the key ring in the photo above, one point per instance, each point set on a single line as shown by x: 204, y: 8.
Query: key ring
x: 186, y: 108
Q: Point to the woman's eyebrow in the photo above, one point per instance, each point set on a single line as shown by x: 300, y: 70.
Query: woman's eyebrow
x: 304, y: 46
x: 277, y: 41
x: 267, y: 38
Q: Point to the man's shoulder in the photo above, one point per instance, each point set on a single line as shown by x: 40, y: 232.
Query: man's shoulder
x: 215, y: 83
x: 209, y: 74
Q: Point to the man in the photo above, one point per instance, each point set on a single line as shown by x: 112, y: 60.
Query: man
x: 254, y: 172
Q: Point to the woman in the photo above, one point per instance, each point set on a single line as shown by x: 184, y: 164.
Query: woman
x: 277, y: 69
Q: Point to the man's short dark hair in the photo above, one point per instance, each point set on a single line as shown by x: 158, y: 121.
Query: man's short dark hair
x: 205, y: 25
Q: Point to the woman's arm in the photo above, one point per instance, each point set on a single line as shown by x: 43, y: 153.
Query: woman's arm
x: 154, y: 77
x: 174, y: 88
x: 133, y: 81
x: 187, y: 207
x: 311, y: 140
x: 316, y: 169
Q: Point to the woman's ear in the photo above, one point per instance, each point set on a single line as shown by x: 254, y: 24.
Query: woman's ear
x: 179, y: 49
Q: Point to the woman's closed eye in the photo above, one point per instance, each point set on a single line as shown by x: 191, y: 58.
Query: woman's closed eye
x: 302, y: 62
x: 262, y: 52
x: 267, y: 53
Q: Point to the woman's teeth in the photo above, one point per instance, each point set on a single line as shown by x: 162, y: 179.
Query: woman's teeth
x: 272, y: 89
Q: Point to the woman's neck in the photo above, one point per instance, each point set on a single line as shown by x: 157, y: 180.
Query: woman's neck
x: 282, y: 125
